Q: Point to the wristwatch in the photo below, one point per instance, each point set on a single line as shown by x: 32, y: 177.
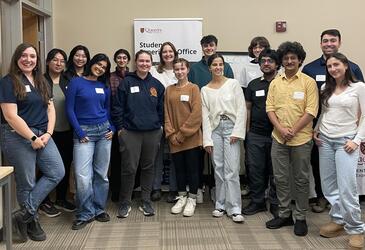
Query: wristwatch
x: 34, y: 137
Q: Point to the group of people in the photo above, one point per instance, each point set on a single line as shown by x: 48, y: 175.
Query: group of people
x: 80, y: 111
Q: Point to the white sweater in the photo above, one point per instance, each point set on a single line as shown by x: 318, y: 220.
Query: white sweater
x: 340, y: 118
x: 227, y: 100
x: 167, y: 77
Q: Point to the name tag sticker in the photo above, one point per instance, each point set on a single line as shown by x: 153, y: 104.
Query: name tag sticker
x: 260, y: 92
x: 320, y: 78
x: 27, y: 88
x: 184, y: 98
x: 134, y: 89
x: 99, y: 90
x: 298, y: 95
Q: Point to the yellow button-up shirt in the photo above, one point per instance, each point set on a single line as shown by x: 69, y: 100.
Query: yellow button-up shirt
x: 290, y: 99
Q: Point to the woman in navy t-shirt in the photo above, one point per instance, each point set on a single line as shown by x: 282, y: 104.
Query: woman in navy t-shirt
x: 88, y: 110
x: 28, y: 119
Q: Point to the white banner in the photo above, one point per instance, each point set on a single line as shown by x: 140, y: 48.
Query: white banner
x: 360, y: 173
x: 184, y: 33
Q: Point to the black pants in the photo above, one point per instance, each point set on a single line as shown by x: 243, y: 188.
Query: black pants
x: 64, y: 143
x: 315, y: 169
x: 115, y: 167
x: 187, y: 165
x: 260, y: 173
x: 138, y: 148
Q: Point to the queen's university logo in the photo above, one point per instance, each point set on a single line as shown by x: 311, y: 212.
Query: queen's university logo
x: 153, y: 91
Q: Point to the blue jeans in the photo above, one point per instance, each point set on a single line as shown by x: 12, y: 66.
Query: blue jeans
x: 338, y: 175
x: 226, y: 162
x: 20, y: 154
x: 91, y: 161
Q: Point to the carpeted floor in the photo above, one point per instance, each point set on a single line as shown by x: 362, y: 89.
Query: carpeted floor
x: 167, y: 231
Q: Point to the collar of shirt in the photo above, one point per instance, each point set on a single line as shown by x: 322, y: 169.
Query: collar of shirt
x: 322, y: 61
x: 205, y: 62
x: 294, y: 77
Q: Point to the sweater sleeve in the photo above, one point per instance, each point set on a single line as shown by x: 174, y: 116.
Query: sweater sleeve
x: 118, y: 105
x: 70, y: 108
x: 107, y: 106
x: 207, y: 129
x: 239, y: 129
x: 360, y: 136
x: 169, y: 130
x: 194, y: 121
x: 160, y: 105
x: 358, y: 74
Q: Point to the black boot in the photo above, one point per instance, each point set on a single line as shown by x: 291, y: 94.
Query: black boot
x: 35, y: 232
x: 20, y: 220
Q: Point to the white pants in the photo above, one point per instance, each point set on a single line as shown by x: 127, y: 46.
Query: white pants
x: 226, y: 162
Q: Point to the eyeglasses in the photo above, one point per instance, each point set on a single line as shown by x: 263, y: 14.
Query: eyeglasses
x: 269, y: 60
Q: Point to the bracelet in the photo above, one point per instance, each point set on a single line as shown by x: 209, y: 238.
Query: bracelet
x: 48, y: 133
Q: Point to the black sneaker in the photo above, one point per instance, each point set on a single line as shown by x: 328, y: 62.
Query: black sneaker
x: 300, y: 228
x: 103, y: 217
x: 20, y: 219
x: 124, y: 210
x: 147, y: 208
x: 65, y: 206
x: 156, y: 195
x: 279, y: 222
x: 49, y: 210
x: 172, y: 196
x: 254, y: 208
x: 80, y: 224
x: 35, y: 231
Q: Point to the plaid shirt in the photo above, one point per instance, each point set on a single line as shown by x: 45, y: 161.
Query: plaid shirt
x: 116, y: 77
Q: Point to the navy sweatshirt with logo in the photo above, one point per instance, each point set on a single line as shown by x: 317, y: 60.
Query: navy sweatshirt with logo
x: 138, y: 103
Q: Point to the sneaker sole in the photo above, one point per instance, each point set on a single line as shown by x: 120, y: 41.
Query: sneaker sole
x: 288, y: 224
x: 238, y: 221
x: 102, y: 220
x: 65, y: 209
x: 144, y: 213
x: 176, y: 212
x: 48, y: 215
x: 218, y: 215
x: 332, y: 234
x: 42, y: 237
x: 126, y: 215
x: 254, y: 212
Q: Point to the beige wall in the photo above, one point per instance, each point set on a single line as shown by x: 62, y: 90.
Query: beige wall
x: 107, y: 25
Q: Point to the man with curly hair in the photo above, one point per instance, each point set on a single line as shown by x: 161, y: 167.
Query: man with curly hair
x: 291, y: 105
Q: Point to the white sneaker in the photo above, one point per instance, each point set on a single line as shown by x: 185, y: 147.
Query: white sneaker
x: 199, y: 196
x: 218, y: 213
x: 190, y: 207
x: 179, y: 205
x: 238, y: 218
